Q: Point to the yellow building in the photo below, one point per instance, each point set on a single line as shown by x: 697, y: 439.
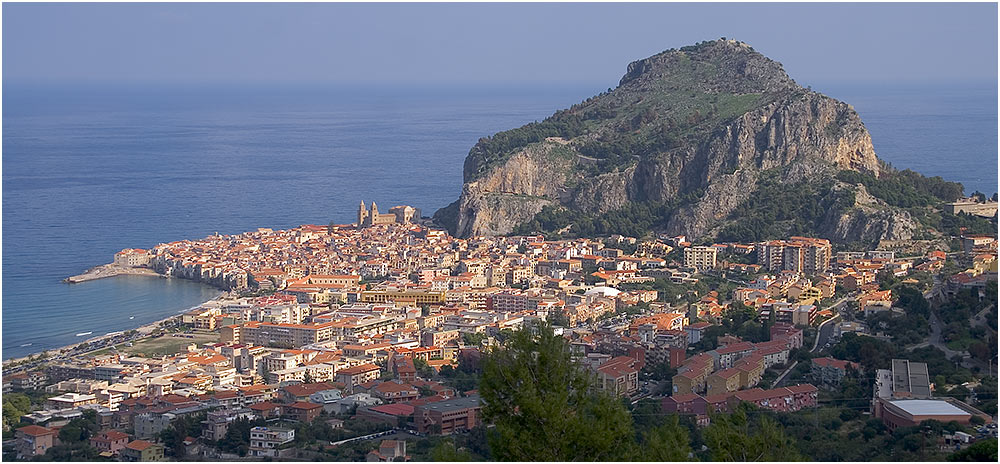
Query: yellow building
x: 417, y: 297
x: 700, y: 257
x: 724, y: 381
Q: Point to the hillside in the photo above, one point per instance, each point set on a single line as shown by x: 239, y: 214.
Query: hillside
x: 688, y: 143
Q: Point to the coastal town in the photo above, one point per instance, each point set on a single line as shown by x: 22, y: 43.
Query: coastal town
x: 357, y: 341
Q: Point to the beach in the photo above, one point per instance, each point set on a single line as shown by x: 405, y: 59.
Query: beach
x: 90, y: 345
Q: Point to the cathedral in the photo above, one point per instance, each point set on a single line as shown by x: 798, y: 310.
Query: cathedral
x: 396, y: 214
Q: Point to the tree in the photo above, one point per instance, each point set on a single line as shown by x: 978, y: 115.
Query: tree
x: 79, y: 429
x: 543, y: 404
x: 982, y: 451
x: 666, y: 443
x: 446, y: 451
x: 733, y: 438
x: 15, y: 405
x: 423, y: 369
x: 558, y: 318
x: 474, y: 339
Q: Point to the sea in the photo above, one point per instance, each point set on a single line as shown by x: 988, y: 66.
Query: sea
x: 89, y: 169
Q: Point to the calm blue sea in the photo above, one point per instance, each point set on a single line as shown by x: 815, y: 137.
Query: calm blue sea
x: 89, y: 170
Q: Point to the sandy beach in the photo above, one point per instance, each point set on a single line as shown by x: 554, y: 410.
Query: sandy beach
x: 114, y: 338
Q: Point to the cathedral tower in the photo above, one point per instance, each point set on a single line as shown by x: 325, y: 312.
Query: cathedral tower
x: 362, y: 215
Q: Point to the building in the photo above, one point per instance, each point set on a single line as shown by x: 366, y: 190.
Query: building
x: 404, y: 368
x: 150, y: 424
x: 142, y: 451
x: 967, y: 206
x: 905, y: 380
x: 902, y: 398
x: 911, y: 412
x: 392, y: 392
x: 404, y: 214
x: 696, y: 331
x: 389, y: 451
x: 700, y: 257
x: 829, y: 371
x: 782, y: 399
x: 109, y: 441
x: 33, y: 440
x: 216, y: 423
x: 409, y: 297
x: 132, y: 257
x: 280, y: 334
x: 70, y: 400
x: 619, y: 376
x: 32, y: 380
x: 302, y: 411
x: 801, y: 254
x: 448, y: 416
x: 356, y: 375
x: 724, y: 381
x: 368, y: 219
x: 264, y: 441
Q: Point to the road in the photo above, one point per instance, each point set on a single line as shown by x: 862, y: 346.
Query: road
x: 935, y: 340
x: 825, y: 331
x: 826, y: 328
x: 365, y: 437
x: 824, y: 334
x: 781, y: 378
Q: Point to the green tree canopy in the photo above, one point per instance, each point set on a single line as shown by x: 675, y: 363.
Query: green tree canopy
x: 544, y: 406
x: 734, y: 437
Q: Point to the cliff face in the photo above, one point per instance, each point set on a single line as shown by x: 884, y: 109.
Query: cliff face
x: 702, y: 122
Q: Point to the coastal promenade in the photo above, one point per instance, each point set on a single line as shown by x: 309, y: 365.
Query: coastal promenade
x: 81, y: 349
x: 111, y: 270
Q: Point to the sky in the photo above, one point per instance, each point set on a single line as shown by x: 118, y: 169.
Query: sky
x: 483, y: 43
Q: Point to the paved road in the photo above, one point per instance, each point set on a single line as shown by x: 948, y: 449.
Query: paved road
x: 781, y: 378
x: 825, y: 332
x: 935, y: 339
x: 826, y: 328
x: 823, y: 336
x: 365, y: 437
x: 980, y: 317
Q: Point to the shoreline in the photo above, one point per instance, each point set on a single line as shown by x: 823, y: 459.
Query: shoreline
x: 111, y: 270
x: 66, y: 352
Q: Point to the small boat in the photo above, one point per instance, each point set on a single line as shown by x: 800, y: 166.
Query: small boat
x: 83, y: 333
x: 131, y: 317
x: 27, y: 344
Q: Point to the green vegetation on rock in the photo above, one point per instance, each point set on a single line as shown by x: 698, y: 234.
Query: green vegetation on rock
x: 904, y: 188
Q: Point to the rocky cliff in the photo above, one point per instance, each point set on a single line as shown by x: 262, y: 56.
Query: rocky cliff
x: 694, y: 128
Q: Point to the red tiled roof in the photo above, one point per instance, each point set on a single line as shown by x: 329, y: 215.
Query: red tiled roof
x: 802, y: 388
x: 685, y: 398
x: 139, y: 445
x: 359, y: 369
x: 306, y: 389
x: 263, y: 406
x: 111, y: 435
x: 304, y: 405
x: 397, y: 409
x: 35, y: 430
x: 831, y: 362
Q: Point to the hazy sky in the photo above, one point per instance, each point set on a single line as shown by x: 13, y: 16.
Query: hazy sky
x: 483, y: 43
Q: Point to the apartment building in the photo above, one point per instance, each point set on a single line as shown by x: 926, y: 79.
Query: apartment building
x: 264, y: 441
x: 801, y: 254
x: 283, y: 335
x: 700, y: 257
x: 448, y: 416
x: 33, y: 440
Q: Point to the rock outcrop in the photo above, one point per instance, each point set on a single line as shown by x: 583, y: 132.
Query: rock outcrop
x: 701, y: 122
